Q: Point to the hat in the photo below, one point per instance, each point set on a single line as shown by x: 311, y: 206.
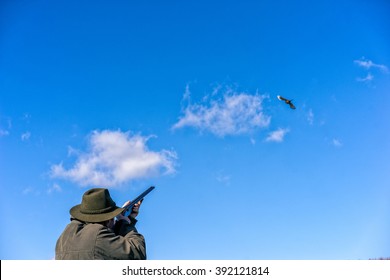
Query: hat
x: 96, y: 206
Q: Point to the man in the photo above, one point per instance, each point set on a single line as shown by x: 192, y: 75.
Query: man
x: 98, y: 230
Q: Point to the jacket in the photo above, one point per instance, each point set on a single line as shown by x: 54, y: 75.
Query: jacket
x: 94, y: 241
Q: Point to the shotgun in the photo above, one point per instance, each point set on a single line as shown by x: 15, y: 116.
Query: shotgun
x: 128, y: 208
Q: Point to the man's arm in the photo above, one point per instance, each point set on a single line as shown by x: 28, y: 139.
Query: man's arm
x: 124, y: 243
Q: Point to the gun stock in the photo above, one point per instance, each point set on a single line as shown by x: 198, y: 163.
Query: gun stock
x: 128, y: 208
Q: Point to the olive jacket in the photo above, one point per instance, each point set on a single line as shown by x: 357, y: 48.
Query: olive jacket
x: 94, y: 241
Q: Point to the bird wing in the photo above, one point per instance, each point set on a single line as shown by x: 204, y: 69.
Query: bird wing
x: 292, y: 105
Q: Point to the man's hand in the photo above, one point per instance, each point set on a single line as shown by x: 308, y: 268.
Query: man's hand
x: 135, y: 209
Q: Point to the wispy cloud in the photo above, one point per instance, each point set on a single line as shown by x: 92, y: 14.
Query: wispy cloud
x: 337, y: 143
x: 27, y: 190
x: 223, y: 178
x: 368, y: 78
x: 26, y: 117
x: 310, y: 116
x: 370, y: 66
x: 277, y: 135
x: 232, y: 114
x: 5, y: 126
x: 54, y: 188
x: 116, y: 157
x: 25, y: 136
x: 31, y: 191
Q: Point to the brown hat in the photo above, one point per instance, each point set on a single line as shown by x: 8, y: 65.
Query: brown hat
x: 96, y: 206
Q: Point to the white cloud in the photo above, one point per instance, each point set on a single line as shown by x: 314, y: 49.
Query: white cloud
x: 187, y: 93
x: 31, y: 191
x: 277, y: 135
x: 368, y: 64
x: 27, y: 190
x: 367, y: 78
x: 337, y: 143
x: 310, y: 116
x: 115, y: 157
x: 233, y: 114
x: 6, y: 122
x: 25, y: 136
x: 54, y: 188
x: 223, y: 178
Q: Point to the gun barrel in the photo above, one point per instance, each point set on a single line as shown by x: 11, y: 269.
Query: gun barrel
x: 136, y: 200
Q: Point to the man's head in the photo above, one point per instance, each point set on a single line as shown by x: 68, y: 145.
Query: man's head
x: 96, y: 206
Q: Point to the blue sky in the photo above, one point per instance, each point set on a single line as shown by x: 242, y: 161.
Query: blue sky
x: 183, y: 95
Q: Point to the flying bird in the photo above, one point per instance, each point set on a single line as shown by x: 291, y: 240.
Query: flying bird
x: 287, y: 101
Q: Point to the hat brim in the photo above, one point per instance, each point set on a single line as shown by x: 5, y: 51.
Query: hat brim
x: 94, y: 218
